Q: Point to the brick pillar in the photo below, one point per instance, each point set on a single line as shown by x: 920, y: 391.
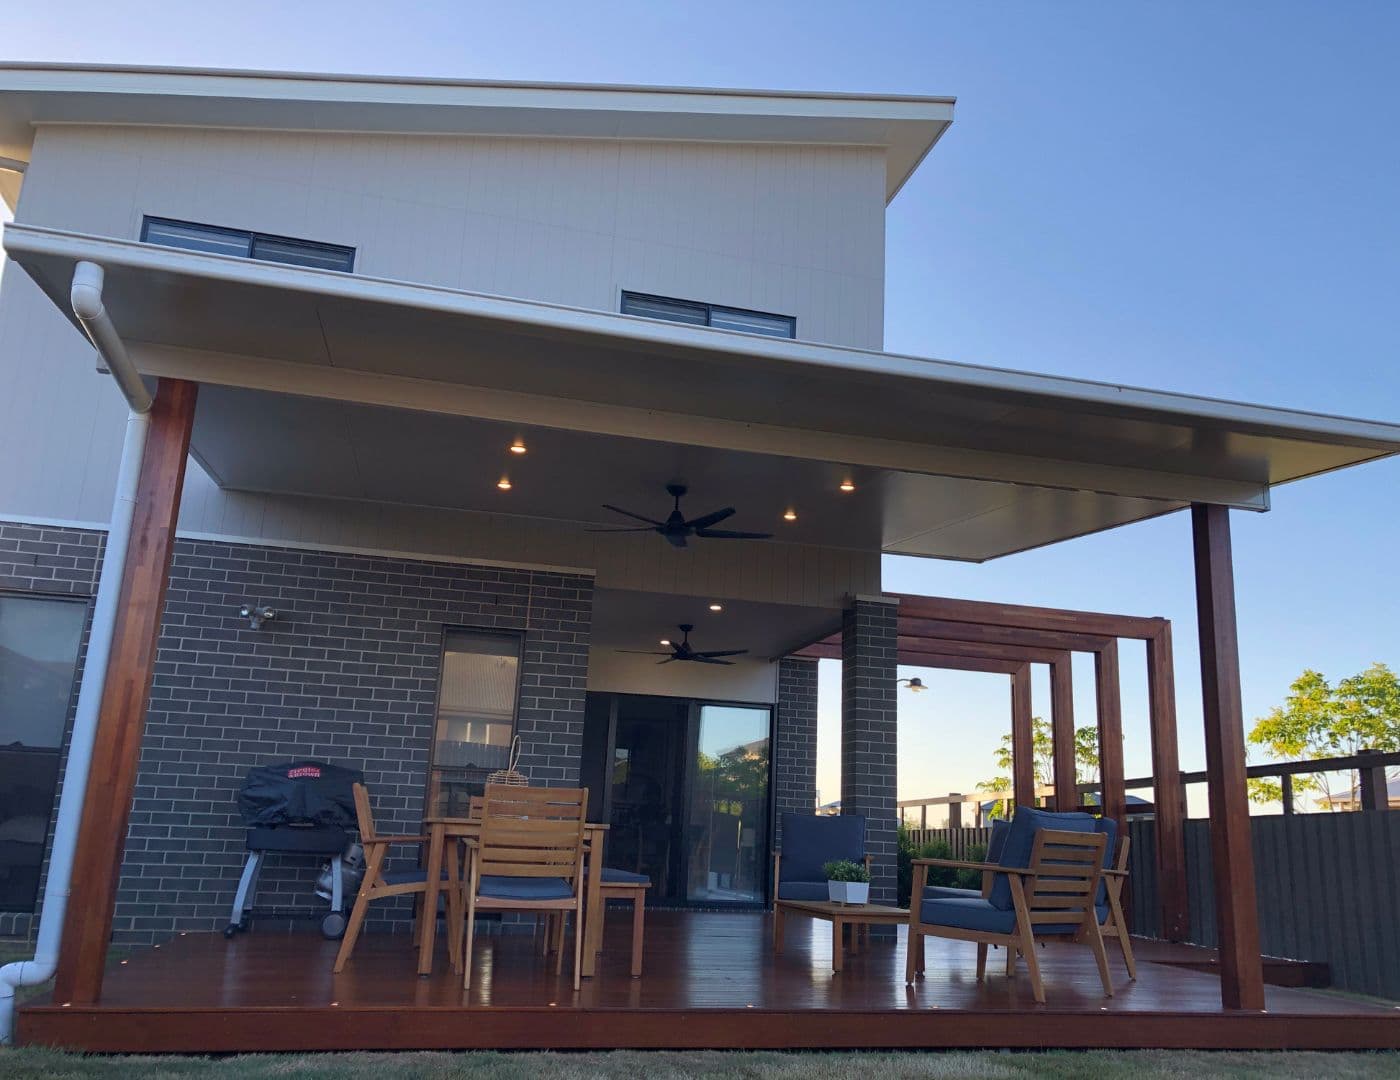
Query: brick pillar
x: 795, y: 748
x: 554, y: 678
x: 869, y: 662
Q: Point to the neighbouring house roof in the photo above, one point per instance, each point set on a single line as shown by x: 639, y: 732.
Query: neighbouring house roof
x: 1352, y: 797
x: 904, y: 126
x: 950, y: 460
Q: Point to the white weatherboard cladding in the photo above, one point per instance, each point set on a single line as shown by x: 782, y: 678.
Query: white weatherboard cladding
x: 797, y: 230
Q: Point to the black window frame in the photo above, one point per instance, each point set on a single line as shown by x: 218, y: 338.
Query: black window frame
x: 708, y: 309
x: 251, y: 239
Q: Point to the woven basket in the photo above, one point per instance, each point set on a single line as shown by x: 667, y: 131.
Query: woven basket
x: 511, y: 775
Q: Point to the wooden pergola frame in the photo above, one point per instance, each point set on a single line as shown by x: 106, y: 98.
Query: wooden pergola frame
x: 971, y: 635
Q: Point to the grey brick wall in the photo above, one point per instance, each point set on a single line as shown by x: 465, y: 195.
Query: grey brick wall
x: 795, y: 748
x: 51, y: 562
x: 869, y: 732
x: 346, y: 673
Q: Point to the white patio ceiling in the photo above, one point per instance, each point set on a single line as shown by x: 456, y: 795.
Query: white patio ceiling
x: 335, y: 384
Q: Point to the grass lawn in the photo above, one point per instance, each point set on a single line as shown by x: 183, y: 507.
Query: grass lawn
x: 24, y: 1064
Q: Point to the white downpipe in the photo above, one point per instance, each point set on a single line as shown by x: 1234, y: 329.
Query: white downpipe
x: 58, y: 885
x: 86, y: 298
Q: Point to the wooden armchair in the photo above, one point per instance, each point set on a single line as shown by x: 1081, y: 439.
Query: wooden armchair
x: 1045, y: 888
x: 1112, y: 923
x: 379, y: 884
x: 527, y: 857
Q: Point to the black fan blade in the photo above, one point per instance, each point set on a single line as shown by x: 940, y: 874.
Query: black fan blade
x: 730, y: 534
x: 700, y: 658
x: 628, y: 513
x: 702, y: 523
x: 724, y: 652
x: 623, y: 528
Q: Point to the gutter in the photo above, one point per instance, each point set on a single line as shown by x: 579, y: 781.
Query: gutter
x: 89, y: 309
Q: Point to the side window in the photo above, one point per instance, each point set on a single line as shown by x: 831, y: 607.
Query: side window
x: 39, y: 641
x: 216, y: 240
x: 711, y: 315
x: 477, y: 692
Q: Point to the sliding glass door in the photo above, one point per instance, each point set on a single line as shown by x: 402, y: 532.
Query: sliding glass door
x: 729, y: 805
x: 685, y: 788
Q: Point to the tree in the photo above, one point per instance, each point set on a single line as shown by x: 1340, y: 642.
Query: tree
x: 1319, y: 720
x: 1086, y: 759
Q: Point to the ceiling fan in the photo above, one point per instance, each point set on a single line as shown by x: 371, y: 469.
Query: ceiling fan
x: 683, y: 650
x: 676, y: 530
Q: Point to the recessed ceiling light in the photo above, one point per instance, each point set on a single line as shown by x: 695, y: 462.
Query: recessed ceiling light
x: 716, y: 607
x: 664, y: 641
x: 503, y: 483
x: 518, y: 447
x: 848, y: 485
x: 789, y: 515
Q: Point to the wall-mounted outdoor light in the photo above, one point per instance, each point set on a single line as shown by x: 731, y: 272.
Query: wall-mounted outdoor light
x: 915, y: 684
x: 257, y: 614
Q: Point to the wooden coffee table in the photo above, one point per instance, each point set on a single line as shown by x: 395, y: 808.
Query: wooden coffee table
x: 859, y: 917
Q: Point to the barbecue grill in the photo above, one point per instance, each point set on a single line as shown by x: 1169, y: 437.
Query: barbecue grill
x: 296, y: 808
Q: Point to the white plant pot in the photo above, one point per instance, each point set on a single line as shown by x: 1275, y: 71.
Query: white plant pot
x: 848, y: 892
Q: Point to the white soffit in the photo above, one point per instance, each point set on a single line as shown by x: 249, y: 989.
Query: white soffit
x: 968, y: 462
x: 906, y: 127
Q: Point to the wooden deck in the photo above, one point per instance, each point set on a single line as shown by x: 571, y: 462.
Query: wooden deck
x: 711, y: 981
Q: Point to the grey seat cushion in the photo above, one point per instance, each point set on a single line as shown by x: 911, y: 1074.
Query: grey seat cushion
x: 614, y: 876
x: 500, y: 887
x: 979, y: 914
x: 1020, y: 841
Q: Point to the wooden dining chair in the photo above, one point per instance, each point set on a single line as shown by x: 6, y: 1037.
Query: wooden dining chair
x: 527, y: 857
x: 379, y: 884
x: 624, y: 885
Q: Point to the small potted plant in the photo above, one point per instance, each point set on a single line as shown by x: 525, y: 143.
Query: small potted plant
x: 847, y: 882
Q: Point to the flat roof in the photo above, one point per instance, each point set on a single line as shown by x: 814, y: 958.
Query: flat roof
x: 950, y: 460
x: 904, y: 126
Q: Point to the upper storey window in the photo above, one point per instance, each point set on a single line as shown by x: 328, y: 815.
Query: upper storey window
x: 698, y: 314
x: 249, y: 245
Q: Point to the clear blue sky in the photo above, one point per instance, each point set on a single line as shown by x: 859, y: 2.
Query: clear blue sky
x: 1189, y: 196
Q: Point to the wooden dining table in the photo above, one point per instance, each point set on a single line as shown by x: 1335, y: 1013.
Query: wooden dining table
x: 443, y: 834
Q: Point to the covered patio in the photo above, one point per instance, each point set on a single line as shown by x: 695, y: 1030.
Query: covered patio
x: 352, y: 395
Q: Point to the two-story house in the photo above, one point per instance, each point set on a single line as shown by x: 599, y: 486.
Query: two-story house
x: 475, y: 406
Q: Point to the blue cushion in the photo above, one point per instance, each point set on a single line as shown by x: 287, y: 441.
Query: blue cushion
x: 500, y: 887
x: 810, y: 842
x: 1109, y: 827
x: 408, y: 877
x: 979, y: 914
x: 947, y: 892
x: 1020, y: 841
x: 997, y: 843
x: 611, y: 875
x: 803, y: 890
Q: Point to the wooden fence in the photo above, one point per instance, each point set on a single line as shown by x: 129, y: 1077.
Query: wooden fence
x: 960, y: 840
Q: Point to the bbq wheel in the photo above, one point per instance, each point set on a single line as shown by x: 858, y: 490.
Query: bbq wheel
x: 333, y: 926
